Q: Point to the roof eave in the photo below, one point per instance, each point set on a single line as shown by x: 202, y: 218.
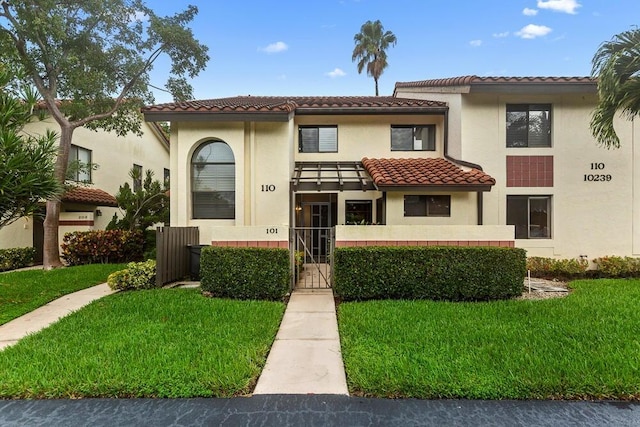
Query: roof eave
x: 436, y: 187
x: 216, y: 116
x: 370, y: 110
x: 534, y: 87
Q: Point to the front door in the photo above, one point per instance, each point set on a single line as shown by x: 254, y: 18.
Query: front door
x: 319, y: 218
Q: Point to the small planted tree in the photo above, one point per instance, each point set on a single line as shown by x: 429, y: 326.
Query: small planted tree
x: 141, y: 207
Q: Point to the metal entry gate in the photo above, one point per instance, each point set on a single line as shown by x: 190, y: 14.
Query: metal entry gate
x: 312, y: 257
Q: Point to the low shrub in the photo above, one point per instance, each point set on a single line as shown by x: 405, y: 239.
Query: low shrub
x: 102, y: 247
x: 13, y: 258
x: 551, y: 268
x: 616, y: 266
x: 137, y: 275
x: 245, y: 273
x: 429, y: 272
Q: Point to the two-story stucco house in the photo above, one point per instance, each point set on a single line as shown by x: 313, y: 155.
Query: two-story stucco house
x: 91, y: 206
x: 459, y: 161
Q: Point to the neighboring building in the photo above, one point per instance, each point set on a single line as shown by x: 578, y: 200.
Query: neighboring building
x: 91, y: 207
x: 460, y: 161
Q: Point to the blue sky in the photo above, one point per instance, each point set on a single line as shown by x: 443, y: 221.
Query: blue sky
x: 303, y: 47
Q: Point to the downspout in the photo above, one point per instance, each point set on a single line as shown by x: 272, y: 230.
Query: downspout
x: 479, y: 194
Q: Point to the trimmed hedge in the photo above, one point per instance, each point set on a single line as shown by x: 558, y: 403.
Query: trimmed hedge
x: 13, y: 258
x: 551, y: 268
x: 245, y: 273
x: 429, y: 272
x: 102, y: 247
x: 617, y: 266
x: 137, y: 275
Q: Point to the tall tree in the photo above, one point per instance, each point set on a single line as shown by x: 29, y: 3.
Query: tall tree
x: 26, y: 162
x: 616, y: 65
x: 90, y: 61
x: 371, y: 47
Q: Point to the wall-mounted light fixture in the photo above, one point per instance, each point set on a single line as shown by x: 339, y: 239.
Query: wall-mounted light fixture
x: 98, y: 212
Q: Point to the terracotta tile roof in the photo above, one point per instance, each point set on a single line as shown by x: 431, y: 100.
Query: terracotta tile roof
x: 468, y: 80
x: 421, y: 172
x: 288, y: 104
x: 89, y: 196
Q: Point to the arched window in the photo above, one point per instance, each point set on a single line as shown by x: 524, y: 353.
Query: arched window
x: 213, y: 181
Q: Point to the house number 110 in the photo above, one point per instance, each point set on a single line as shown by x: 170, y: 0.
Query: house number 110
x: 268, y: 188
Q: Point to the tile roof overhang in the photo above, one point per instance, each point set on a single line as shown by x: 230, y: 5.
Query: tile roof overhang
x: 425, y: 174
x: 89, y: 196
x: 282, y: 108
x: 476, y: 84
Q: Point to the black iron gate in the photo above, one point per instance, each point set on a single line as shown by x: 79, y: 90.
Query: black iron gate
x: 312, y: 257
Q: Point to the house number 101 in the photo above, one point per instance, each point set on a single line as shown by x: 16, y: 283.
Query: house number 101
x: 268, y: 188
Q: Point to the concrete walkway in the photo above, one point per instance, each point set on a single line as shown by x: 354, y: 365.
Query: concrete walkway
x: 305, y: 357
x: 50, y: 313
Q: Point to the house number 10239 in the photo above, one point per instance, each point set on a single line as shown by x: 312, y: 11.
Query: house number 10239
x: 597, y: 177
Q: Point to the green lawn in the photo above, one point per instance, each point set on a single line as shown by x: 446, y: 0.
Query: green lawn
x: 155, y: 343
x: 586, y: 345
x: 24, y: 291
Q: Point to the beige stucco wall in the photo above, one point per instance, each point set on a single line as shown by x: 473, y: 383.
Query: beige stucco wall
x: 115, y: 157
x: 424, y: 232
x: 367, y: 136
x: 463, y: 210
x: 263, y: 169
x: 588, y: 218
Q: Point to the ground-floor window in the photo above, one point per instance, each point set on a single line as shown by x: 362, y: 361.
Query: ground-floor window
x: 531, y: 216
x: 358, y: 212
x: 426, y: 205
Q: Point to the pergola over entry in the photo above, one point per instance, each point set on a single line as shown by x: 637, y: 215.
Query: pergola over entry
x: 330, y: 176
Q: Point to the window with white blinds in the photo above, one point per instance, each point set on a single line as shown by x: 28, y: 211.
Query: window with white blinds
x: 213, y: 181
x: 318, y: 139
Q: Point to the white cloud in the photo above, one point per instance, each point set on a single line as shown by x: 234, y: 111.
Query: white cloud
x: 566, y: 6
x: 475, y: 43
x: 532, y: 31
x: 275, y: 47
x: 529, y: 12
x: 337, y: 72
x: 501, y: 35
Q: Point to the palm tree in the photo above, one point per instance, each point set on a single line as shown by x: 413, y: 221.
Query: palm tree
x: 616, y: 65
x: 370, y: 50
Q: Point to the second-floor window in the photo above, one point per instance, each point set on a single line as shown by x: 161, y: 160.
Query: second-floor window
x: 79, y: 164
x: 317, y: 139
x: 528, y: 125
x: 137, y: 177
x: 413, y: 138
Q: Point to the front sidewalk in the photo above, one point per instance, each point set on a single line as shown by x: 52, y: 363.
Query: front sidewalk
x: 305, y: 357
x: 49, y: 313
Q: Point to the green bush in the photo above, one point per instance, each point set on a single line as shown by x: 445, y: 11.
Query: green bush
x: 102, y: 247
x: 13, y: 258
x: 137, y: 275
x: 245, y: 273
x: 551, y: 268
x: 616, y: 266
x: 429, y: 272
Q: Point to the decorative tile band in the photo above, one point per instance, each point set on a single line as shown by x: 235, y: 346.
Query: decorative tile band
x: 252, y: 244
x: 529, y: 171
x: 499, y: 243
